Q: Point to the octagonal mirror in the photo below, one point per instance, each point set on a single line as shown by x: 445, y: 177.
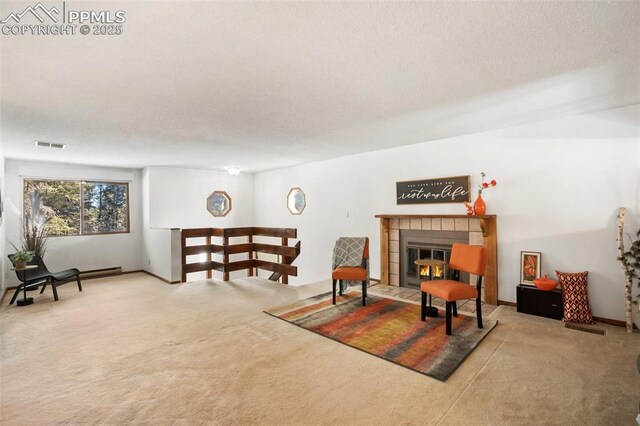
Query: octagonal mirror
x: 219, y: 203
x: 296, y: 201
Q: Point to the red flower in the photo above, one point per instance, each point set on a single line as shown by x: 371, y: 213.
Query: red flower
x: 485, y: 185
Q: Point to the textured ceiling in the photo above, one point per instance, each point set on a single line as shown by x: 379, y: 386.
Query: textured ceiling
x: 270, y: 84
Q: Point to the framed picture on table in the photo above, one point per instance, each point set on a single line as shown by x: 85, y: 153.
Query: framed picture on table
x: 529, y: 266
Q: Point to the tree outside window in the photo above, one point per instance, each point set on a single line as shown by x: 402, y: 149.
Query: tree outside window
x: 106, y: 208
x: 81, y: 208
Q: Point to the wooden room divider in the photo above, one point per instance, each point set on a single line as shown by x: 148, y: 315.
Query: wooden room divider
x: 281, y: 269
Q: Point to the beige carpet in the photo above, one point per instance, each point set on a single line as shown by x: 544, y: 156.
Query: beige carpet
x: 133, y: 349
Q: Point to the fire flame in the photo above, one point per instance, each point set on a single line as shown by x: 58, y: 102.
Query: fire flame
x: 438, y: 271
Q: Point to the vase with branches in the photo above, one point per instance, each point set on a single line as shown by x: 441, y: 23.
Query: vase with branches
x: 479, y: 206
x: 34, y: 226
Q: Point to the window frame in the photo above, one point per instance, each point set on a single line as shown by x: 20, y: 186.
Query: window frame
x: 82, y: 233
x: 82, y: 182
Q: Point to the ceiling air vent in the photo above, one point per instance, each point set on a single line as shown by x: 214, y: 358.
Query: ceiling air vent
x: 43, y: 144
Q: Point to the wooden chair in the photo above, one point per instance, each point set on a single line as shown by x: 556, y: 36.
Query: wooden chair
x: 464, y: 258
x: 353, y: 273
x: 41, y: 275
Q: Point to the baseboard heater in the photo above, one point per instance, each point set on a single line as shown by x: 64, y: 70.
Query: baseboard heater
x: 99, y: 273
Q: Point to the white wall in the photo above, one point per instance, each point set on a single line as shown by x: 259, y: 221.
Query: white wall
x: 83, y: 252
x: 560, y: 184
x: 176, y: 198
x: 161, y: 246
x: 161, y: 254
x: 3, y: 220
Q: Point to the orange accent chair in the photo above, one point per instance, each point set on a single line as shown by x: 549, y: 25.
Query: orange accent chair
x: 464, y: 258
x: 352, y: 273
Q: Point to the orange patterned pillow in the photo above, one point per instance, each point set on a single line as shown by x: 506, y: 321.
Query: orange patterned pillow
x: 575, y: 297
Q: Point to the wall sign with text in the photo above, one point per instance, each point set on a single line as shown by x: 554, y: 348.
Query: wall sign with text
x: 453, y: 189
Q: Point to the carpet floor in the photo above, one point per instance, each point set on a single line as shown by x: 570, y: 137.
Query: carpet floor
x: 131, y: 349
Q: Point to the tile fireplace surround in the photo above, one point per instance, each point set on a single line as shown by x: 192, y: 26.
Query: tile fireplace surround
x: 482, y: 232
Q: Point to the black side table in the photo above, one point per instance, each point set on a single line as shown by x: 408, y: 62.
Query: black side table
x: 25, y: 300
x: 431, y: 311
x: 543, y: 303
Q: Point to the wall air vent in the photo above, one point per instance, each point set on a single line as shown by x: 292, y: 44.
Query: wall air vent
x: 43, y: 144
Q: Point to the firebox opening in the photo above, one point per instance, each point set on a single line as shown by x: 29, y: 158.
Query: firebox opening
x: 424, y: 246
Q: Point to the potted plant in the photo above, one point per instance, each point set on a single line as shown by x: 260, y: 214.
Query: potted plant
x: 21, y: 257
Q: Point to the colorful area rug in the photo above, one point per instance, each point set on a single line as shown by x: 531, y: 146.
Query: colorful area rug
x: 389, y: 329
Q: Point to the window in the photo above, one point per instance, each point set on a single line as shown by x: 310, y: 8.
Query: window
x: 105, y: 207
x: 81, y: 208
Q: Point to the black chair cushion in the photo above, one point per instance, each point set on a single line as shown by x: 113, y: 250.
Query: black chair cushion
x: 65, y: 275
x: 36, y: 277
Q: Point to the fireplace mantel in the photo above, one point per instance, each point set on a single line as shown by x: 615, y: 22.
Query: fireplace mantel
x: 482, y: 231
x: 459, y: 216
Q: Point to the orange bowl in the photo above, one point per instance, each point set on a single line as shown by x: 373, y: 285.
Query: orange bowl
x: 545, y: 283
